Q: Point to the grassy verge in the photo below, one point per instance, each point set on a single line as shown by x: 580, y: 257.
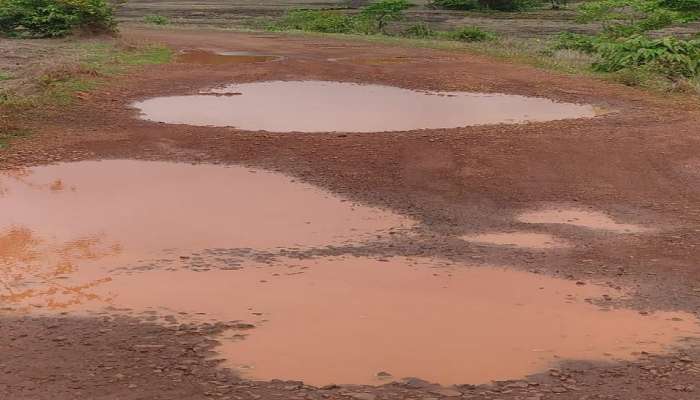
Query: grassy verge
x: 91, y: 65
x: 96, y: 62
x: 538, y: 53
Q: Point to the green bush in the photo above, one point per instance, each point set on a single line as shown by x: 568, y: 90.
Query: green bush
x: 621, y: 18
x: 54, y: 18
x: 682, y: 5
x: 371, y: 19
x: 316, y: 21
x: 670, y: 57
x: 509, y: 5
x: 455, y: 4
x: 419, y: 30
x: 156, y: 20
x: 384, y: 11
x: 575, y: 41
x: 470, y: 34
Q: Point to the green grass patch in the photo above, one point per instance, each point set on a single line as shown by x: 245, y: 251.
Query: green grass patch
x: 95, y: 63
x: 4, y: 76
x: 60, y: 86
x: 156, y: 20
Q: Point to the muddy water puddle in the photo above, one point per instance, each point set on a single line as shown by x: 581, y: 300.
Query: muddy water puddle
x: 111, y: 214
x: 75, y: 231
x: 526, y: 240
x: 321, y: 106
x: 207, y: 57
x: 589, y: 219
x: 343, y: 320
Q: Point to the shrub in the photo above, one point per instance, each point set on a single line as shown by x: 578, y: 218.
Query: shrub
x: 455, y: 4
x: 384, y: 11
x: 509, y: 5
x: 470, y: 34
x: 316, y: 21
x: 156, y: 20
x: 628, y: 17
x: 667, y: 56
x: 575, y: 41
x: 54, y: 18
x: 419, y: 30
x: 682, y: 5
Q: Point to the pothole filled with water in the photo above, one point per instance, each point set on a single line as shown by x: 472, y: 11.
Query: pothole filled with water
x: 320, y: 106
x: 79, y: 234
x: 589, y: 219
x: 224, y: 57
x: 110, y: 214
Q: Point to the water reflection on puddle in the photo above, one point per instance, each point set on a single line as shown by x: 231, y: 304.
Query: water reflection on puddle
x: 224, y: 57
x: 73, y: 228
x: 319, y: 106
x: 110, y: 214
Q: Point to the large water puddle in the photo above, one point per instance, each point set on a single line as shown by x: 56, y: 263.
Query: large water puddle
x: 319, y: 106
x: 345, y: 320
x: 172, y: 242
x: 117, y: 213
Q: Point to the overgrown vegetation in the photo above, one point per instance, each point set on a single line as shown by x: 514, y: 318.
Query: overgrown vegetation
x: 156, y: 20
x: 371, y: 20
x: 625, y: 48
x: 54, y: 18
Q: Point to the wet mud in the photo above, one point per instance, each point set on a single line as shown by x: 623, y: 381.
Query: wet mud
x: 206, y: 57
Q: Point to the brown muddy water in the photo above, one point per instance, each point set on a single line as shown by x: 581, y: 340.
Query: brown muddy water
x: 112, y: 214
x: 158, y: 239
x: 589, y: 219
x: 527, y: 240
x: 224, y: 57
x: 321, y: 106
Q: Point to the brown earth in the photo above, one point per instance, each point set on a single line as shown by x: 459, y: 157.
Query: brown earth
x: 639, y: 163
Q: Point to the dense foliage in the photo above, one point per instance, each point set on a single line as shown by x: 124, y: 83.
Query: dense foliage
x: 669, y: 56
x: 316, y: 21
x: 54, y: 18
x: 624, y: 45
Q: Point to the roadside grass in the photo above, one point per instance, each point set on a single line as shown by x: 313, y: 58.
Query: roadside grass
x: 60, y: 85
x: 539, y: 53
x: 156, y: 20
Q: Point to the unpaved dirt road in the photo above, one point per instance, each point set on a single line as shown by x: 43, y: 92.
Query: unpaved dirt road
x: 638, y: 163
